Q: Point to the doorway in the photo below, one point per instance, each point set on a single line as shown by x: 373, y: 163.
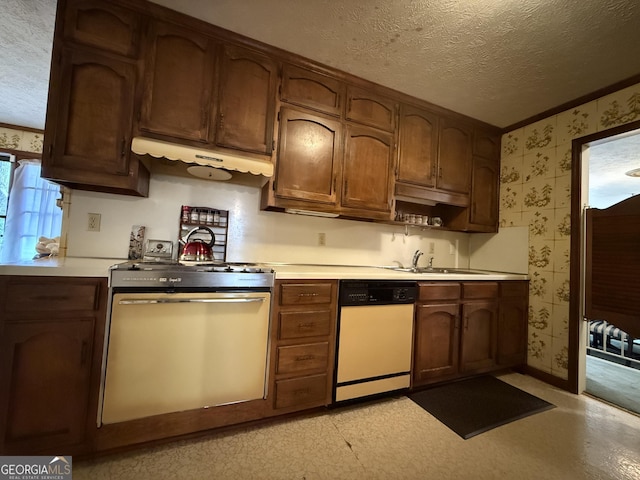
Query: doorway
x: 606, y: 361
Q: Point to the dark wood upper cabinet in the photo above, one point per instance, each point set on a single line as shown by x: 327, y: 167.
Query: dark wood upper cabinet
x: 178, y: 83
x: 367, y: 172
x: 370, y: 109
x: 483, y: 211
x: 417, y: 147
x: 97, y: 106
x: 486, y: 144
x: 308, y: 162
x: 483, y: 203
x: 104, y: 26
x: 89, y: 129
x: 454, y: 157
x: 246, y: 100
x: 312, y: 90
x: 138, y: 68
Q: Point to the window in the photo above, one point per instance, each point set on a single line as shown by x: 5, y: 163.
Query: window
x: 29, y: 212
x: 6, y: 169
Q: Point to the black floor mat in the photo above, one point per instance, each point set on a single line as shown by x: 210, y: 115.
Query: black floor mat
x: 473, y: 406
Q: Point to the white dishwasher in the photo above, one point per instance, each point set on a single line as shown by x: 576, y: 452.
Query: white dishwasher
x: 182, y: 338
x: 375, y: 338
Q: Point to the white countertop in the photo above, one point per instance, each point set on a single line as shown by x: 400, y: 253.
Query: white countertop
x: 99, y: 267
x: 62, y: 266
x: 342, y: 272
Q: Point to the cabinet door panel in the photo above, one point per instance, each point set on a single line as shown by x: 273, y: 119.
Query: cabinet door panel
x: 367, y: 173
x: 304, y: 323
x: 417, y: 147
x: 301, y: 392
x: 178, y: 83
x: 454, y: 160
x: 246, y: 101
x: 486, y: 144
x: 46, y: 369
x: 478, y: 337
x: 370, y: 109
x: 104, y: 26
x: 300, y: 358
x: 312, y: 90
x: 484, y: 193
x: 306, y: 293
x: 436, y: 341
x: 94, y: 120
x: 512, y: 331
x: 308, y: 163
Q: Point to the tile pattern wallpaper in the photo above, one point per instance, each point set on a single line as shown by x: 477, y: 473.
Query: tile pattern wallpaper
x: 535, y: 191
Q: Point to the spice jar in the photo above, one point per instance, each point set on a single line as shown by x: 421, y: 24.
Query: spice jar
x: 194, y: 215
x: 185, y: 214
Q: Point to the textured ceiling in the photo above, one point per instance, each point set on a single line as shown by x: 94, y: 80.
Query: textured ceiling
x: 500, y: 61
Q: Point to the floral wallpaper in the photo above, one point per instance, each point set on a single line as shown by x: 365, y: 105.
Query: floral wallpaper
x: 20, y: 140
x: 535, y: 191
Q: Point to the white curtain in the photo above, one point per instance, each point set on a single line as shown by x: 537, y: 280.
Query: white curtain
x: 31, y: 213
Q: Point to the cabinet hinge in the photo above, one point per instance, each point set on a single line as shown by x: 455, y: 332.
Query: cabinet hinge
x: 278, y: 116
x: 273, y: 145
x: 51, y: 151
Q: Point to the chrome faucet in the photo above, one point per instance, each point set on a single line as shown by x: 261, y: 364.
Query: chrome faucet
x: 416, y: 257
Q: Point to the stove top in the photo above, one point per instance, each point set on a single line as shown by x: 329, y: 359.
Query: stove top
x: 194, y: 266
x: 176, y: 275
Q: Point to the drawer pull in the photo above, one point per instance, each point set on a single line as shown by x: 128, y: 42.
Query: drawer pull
x: 304, y: 358
x: 301, y: 392
x: 306, y: 326
x: 308, y: 294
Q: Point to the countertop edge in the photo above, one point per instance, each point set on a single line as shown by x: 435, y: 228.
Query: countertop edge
x: 99, y: 267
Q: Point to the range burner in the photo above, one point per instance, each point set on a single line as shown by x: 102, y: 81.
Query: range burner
x: 191, y: 275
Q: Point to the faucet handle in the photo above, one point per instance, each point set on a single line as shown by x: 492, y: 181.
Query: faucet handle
x: 430, y: 262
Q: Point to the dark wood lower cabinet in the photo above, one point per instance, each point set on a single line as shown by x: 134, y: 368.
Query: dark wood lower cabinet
x: 52, y: 331
x: 303, y: 325
x: 513, y: 316
x: 469, y: 328
x: 437, y: 330
x: 478, y: 336
x: 52, y: 335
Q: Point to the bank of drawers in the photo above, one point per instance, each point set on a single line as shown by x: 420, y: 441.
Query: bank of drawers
x: 303, y: 332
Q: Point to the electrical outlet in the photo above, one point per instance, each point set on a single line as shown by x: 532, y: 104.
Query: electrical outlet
x: 93, y: 223
x: 432, y: 247
x: 322, y: 239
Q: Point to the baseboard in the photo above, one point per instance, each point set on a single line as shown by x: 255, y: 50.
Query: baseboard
x: 547, y: 378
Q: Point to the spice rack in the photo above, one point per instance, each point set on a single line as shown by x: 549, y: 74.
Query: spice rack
x: 215, y: 219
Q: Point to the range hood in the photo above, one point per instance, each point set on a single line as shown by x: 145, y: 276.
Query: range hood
x: 199, y: 162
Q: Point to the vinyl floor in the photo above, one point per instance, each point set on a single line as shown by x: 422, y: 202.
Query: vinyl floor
x: 614, y: 383
x: 582, y: 438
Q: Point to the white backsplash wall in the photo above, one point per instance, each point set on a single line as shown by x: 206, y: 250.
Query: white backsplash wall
x: 254, y: 235
x: 505, y: 251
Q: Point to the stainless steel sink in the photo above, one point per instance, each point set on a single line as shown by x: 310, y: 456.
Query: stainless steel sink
x: 450, y: 271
